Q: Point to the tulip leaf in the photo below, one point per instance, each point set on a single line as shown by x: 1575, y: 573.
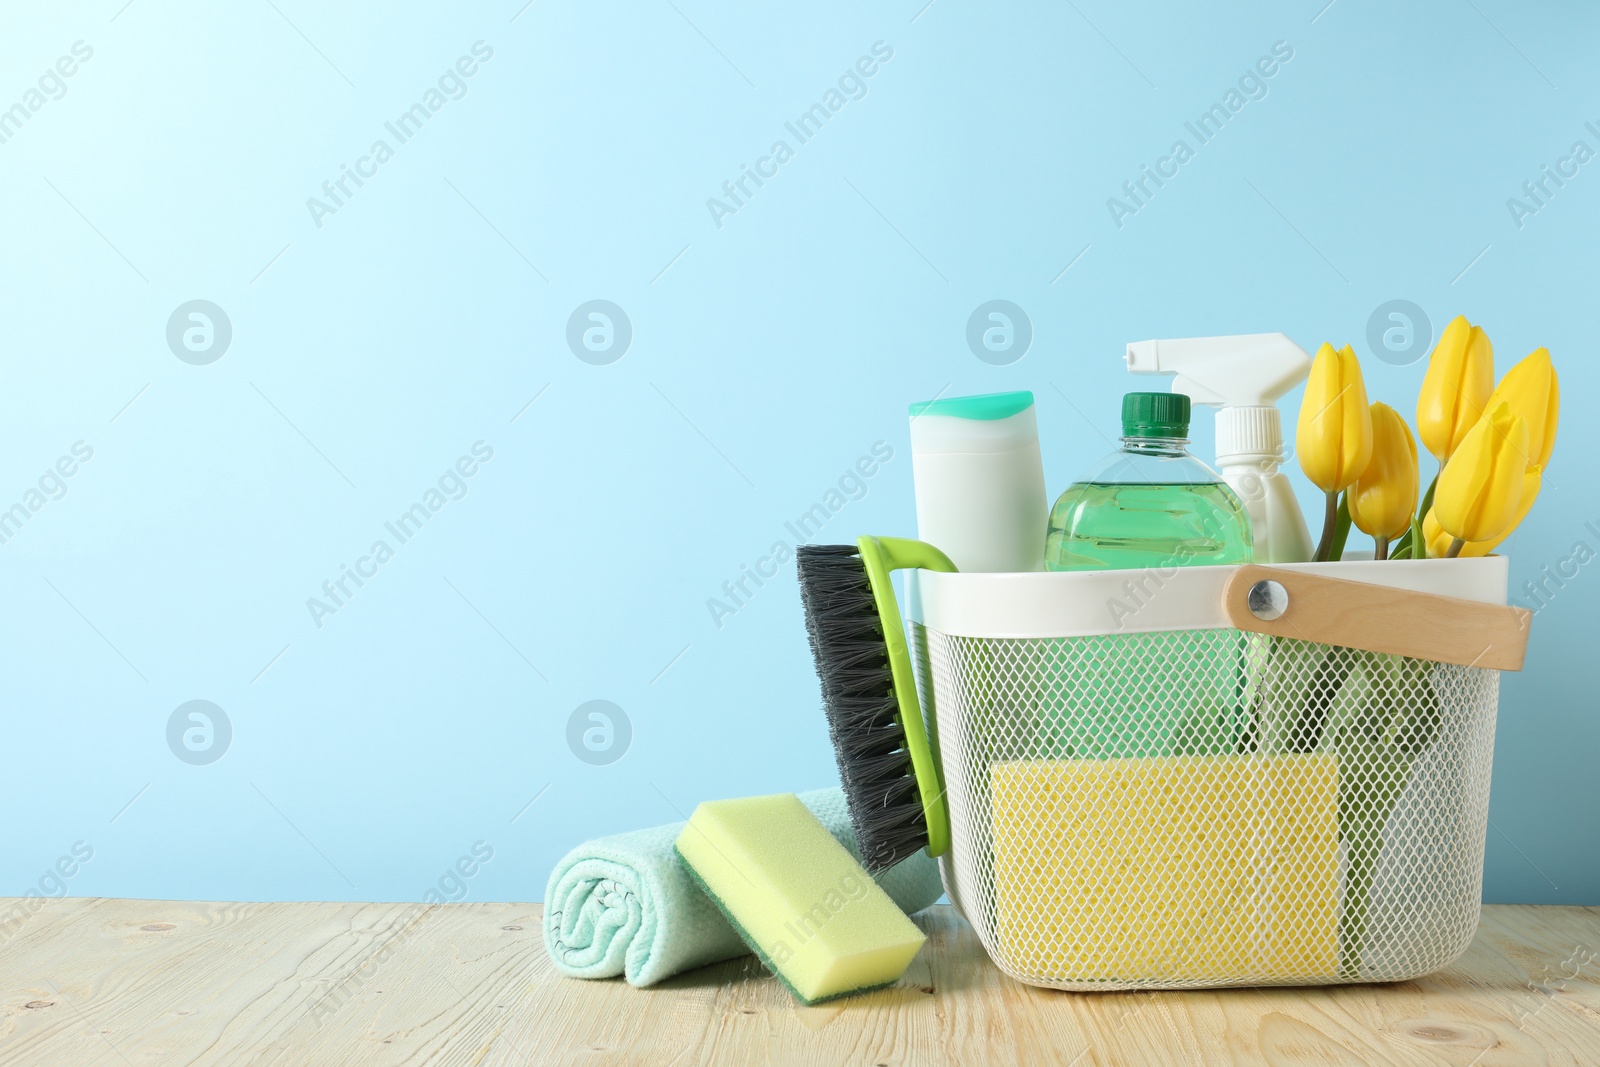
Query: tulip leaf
x: 1377, y: 714
x: 1381, y: 720
x: 1413, y: 545
x: 1427, y: 499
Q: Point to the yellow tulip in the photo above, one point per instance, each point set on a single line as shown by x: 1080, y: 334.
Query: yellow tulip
x: 1439, y: 542
x: 1456, y: 387
x: 1481, y: 486
x: 1532, y: 390
x: 1334, y: 436
x: 1384, y: 497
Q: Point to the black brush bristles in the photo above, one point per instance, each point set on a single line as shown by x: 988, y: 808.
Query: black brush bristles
x: 858, y: 696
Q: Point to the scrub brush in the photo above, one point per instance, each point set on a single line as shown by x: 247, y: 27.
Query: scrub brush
x: 891, y: 780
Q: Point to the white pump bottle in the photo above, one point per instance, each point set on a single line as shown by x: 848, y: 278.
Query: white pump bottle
x: 1243, y: 377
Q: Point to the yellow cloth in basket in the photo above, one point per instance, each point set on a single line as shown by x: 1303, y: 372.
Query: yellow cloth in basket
x: 1178, y: 868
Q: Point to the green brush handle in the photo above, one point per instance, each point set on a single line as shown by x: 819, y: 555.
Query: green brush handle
x: 881, y: 556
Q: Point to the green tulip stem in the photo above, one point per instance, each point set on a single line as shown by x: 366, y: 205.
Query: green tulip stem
x: 1329, y: 520
x: 1380, y: 548
x: 1342, y: 525
x: 1455, y: 548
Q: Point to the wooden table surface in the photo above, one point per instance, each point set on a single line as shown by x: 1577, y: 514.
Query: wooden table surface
x: 129, y: 982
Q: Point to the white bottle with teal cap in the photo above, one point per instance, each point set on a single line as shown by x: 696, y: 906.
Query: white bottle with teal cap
x: 980, y: 480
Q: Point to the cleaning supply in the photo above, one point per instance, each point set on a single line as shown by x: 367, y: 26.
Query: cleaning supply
x: 1154, y: 507
x: 980, y: 480
x: 1178, y: 869
x: 802, y: 902
x: 1352, y: 851
x: 624, y: 905
x: 1149, y: 504
x: 888, y: 770
x: 1243, y: 377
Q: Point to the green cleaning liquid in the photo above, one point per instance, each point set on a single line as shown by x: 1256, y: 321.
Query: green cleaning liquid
x: 1150, y: 506
x: 1106, y: 525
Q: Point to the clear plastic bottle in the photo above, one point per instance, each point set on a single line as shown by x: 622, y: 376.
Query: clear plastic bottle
x: 1150, y: 503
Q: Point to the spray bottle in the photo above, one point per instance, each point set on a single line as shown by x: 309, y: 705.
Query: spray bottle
x: 1243, y: 377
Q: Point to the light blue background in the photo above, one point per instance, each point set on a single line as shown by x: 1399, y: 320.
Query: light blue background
x: 768, y: 354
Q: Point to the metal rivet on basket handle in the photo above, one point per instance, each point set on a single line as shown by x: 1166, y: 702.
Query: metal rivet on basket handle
x: 1267, y: 600
x: 1376, y: 618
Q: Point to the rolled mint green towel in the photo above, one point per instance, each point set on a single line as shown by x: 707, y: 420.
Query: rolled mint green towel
x: 624, y: 905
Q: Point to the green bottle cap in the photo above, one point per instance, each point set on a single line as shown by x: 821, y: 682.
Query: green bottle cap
x: 1155, y: 415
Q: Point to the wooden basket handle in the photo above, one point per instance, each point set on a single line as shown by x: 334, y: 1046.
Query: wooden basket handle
x: 1334, y: 611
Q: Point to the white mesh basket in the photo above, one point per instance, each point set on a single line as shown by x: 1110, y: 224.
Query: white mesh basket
x: 1151, y: 785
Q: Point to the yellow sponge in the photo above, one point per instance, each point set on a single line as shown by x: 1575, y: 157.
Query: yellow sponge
x: 803, y: 903
x: 1174, y: 868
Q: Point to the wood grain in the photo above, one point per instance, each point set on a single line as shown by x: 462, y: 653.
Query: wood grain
x: 123, y: 982
x: 1376, y: 618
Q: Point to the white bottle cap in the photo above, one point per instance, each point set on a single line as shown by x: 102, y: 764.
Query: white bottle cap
x: 1249, y: 433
